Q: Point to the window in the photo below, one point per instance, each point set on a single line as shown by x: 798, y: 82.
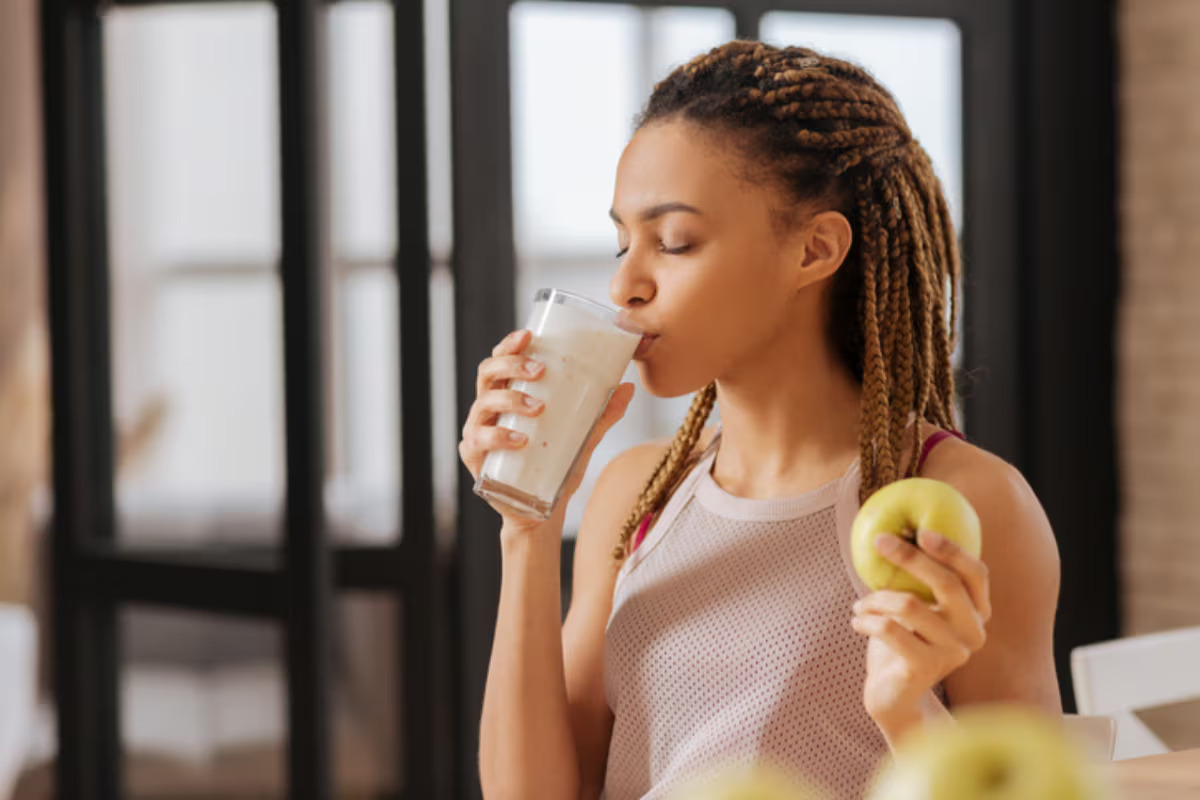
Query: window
x: 193, y: 164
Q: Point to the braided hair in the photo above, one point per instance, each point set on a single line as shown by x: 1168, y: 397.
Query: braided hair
x: 824, y: 130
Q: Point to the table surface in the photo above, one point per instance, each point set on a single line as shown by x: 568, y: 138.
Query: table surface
x: 1173, y: 776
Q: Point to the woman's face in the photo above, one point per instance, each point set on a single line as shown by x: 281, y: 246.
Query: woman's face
x: 703, y: 267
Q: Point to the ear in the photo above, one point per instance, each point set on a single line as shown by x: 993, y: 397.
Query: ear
x: 824, y: 241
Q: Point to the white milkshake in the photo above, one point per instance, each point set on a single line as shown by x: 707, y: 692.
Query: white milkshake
x: 585, y: 354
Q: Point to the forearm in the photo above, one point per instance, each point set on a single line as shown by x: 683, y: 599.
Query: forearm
x: 526, y: 744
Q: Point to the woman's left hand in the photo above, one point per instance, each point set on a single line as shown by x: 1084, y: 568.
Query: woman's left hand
x: 914, y: 645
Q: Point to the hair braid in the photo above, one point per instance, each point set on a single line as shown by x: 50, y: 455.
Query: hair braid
x: 824, y: 130
x: 932, y: 300
x: 671, y: 467
x: 942, y: 273
x: 877, y: 460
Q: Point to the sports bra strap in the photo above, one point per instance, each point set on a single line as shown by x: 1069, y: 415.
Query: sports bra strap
x: 936, y: 438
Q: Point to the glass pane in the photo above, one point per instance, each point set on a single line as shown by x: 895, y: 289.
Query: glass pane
x: 365, y: 460
x: 193, y: 126
x: 446, y: 423
x: 918, y: 60
x: 437, y: 109
x: 362, y: 104
x: 569, y: 128
x: 192, y: 137
x: 363, y: 498
x: 203, y: 706
x: 368, y: 738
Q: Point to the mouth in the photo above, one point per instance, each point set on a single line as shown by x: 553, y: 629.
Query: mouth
x: 644, y: 345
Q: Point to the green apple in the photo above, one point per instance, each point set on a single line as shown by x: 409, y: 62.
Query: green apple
x: 901, y: 509
x: 759, y: 782
x: 998, y: 752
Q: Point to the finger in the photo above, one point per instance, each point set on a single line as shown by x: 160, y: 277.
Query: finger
x: 901, y: 640
x: 914, y: 614
x: 953, y: 600
x: 618, y: 403
x: 973, y: 572
x: 485, y: 440
x: 508, y: 401
x: 478, y: 417
x: 496, y: 372
x: 947, y: 586
x: 515, y: 342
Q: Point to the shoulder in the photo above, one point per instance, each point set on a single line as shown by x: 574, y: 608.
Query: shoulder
x: 1024, y: 576
x: 617, y: 490
x: 996, y: 488
x: 622, y: 480
x: 1019, y: 547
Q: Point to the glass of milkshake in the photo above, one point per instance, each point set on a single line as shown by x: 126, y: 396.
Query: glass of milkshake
x: 585, y: 349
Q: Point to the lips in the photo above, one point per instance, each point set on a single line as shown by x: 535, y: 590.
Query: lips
x: 644, y: 345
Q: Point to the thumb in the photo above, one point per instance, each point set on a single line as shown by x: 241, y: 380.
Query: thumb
x: 618, y: 404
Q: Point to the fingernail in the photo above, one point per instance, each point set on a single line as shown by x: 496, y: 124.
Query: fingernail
x: 515, y: 436
x: 533, y: 367
x: 887, y: 544
x: 857, y: 607
x: 532, y: 402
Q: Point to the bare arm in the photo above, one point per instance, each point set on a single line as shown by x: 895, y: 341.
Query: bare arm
x: 546, y: 721
x: 1016, y: 663
x: 538, y: 701
x: 591, y: 604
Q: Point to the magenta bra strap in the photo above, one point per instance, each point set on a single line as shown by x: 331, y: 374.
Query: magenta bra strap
x: 641, y: 532
x: 936, y: 438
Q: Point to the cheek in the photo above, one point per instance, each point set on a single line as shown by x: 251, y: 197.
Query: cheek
x: 715, y: 310
x: 742, y: 297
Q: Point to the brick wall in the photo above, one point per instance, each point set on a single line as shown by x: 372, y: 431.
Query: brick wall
x: 1159, y: 337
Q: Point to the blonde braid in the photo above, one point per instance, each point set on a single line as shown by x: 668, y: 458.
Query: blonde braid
x: 877, y: 461
x: 670, y: 468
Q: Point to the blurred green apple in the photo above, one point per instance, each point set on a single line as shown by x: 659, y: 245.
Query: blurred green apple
x: 998, y: 752
x: 901, y: 509
x: 748, y: 783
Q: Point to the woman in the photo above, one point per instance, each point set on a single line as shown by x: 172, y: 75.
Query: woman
x: 787, y: 245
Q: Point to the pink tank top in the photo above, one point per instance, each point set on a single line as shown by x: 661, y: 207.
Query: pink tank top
x: 730, y: 643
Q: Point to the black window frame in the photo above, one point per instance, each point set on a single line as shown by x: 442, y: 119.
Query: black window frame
x: 92, y: 576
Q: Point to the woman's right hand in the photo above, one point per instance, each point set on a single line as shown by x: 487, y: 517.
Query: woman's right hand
x: 481, y: 434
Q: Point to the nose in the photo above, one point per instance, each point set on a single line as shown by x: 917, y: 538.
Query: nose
x: 631, y: 284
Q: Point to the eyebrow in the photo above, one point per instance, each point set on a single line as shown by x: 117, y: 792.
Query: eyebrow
x: 654, y: 212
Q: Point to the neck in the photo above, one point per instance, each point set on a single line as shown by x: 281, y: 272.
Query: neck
x: 789, y: 422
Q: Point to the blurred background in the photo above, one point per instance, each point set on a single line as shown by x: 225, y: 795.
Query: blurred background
x: 261, y: 248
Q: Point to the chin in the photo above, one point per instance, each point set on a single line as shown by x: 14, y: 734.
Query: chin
x: 666, y: 383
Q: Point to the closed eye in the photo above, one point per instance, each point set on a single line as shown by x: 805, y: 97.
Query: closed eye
x: 671, y: 251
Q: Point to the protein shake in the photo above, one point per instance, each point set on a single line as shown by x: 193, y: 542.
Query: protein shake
x: 585, y: 353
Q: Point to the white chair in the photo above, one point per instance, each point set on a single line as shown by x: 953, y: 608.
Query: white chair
x: 18, y: 690
x: 1120, y: 677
